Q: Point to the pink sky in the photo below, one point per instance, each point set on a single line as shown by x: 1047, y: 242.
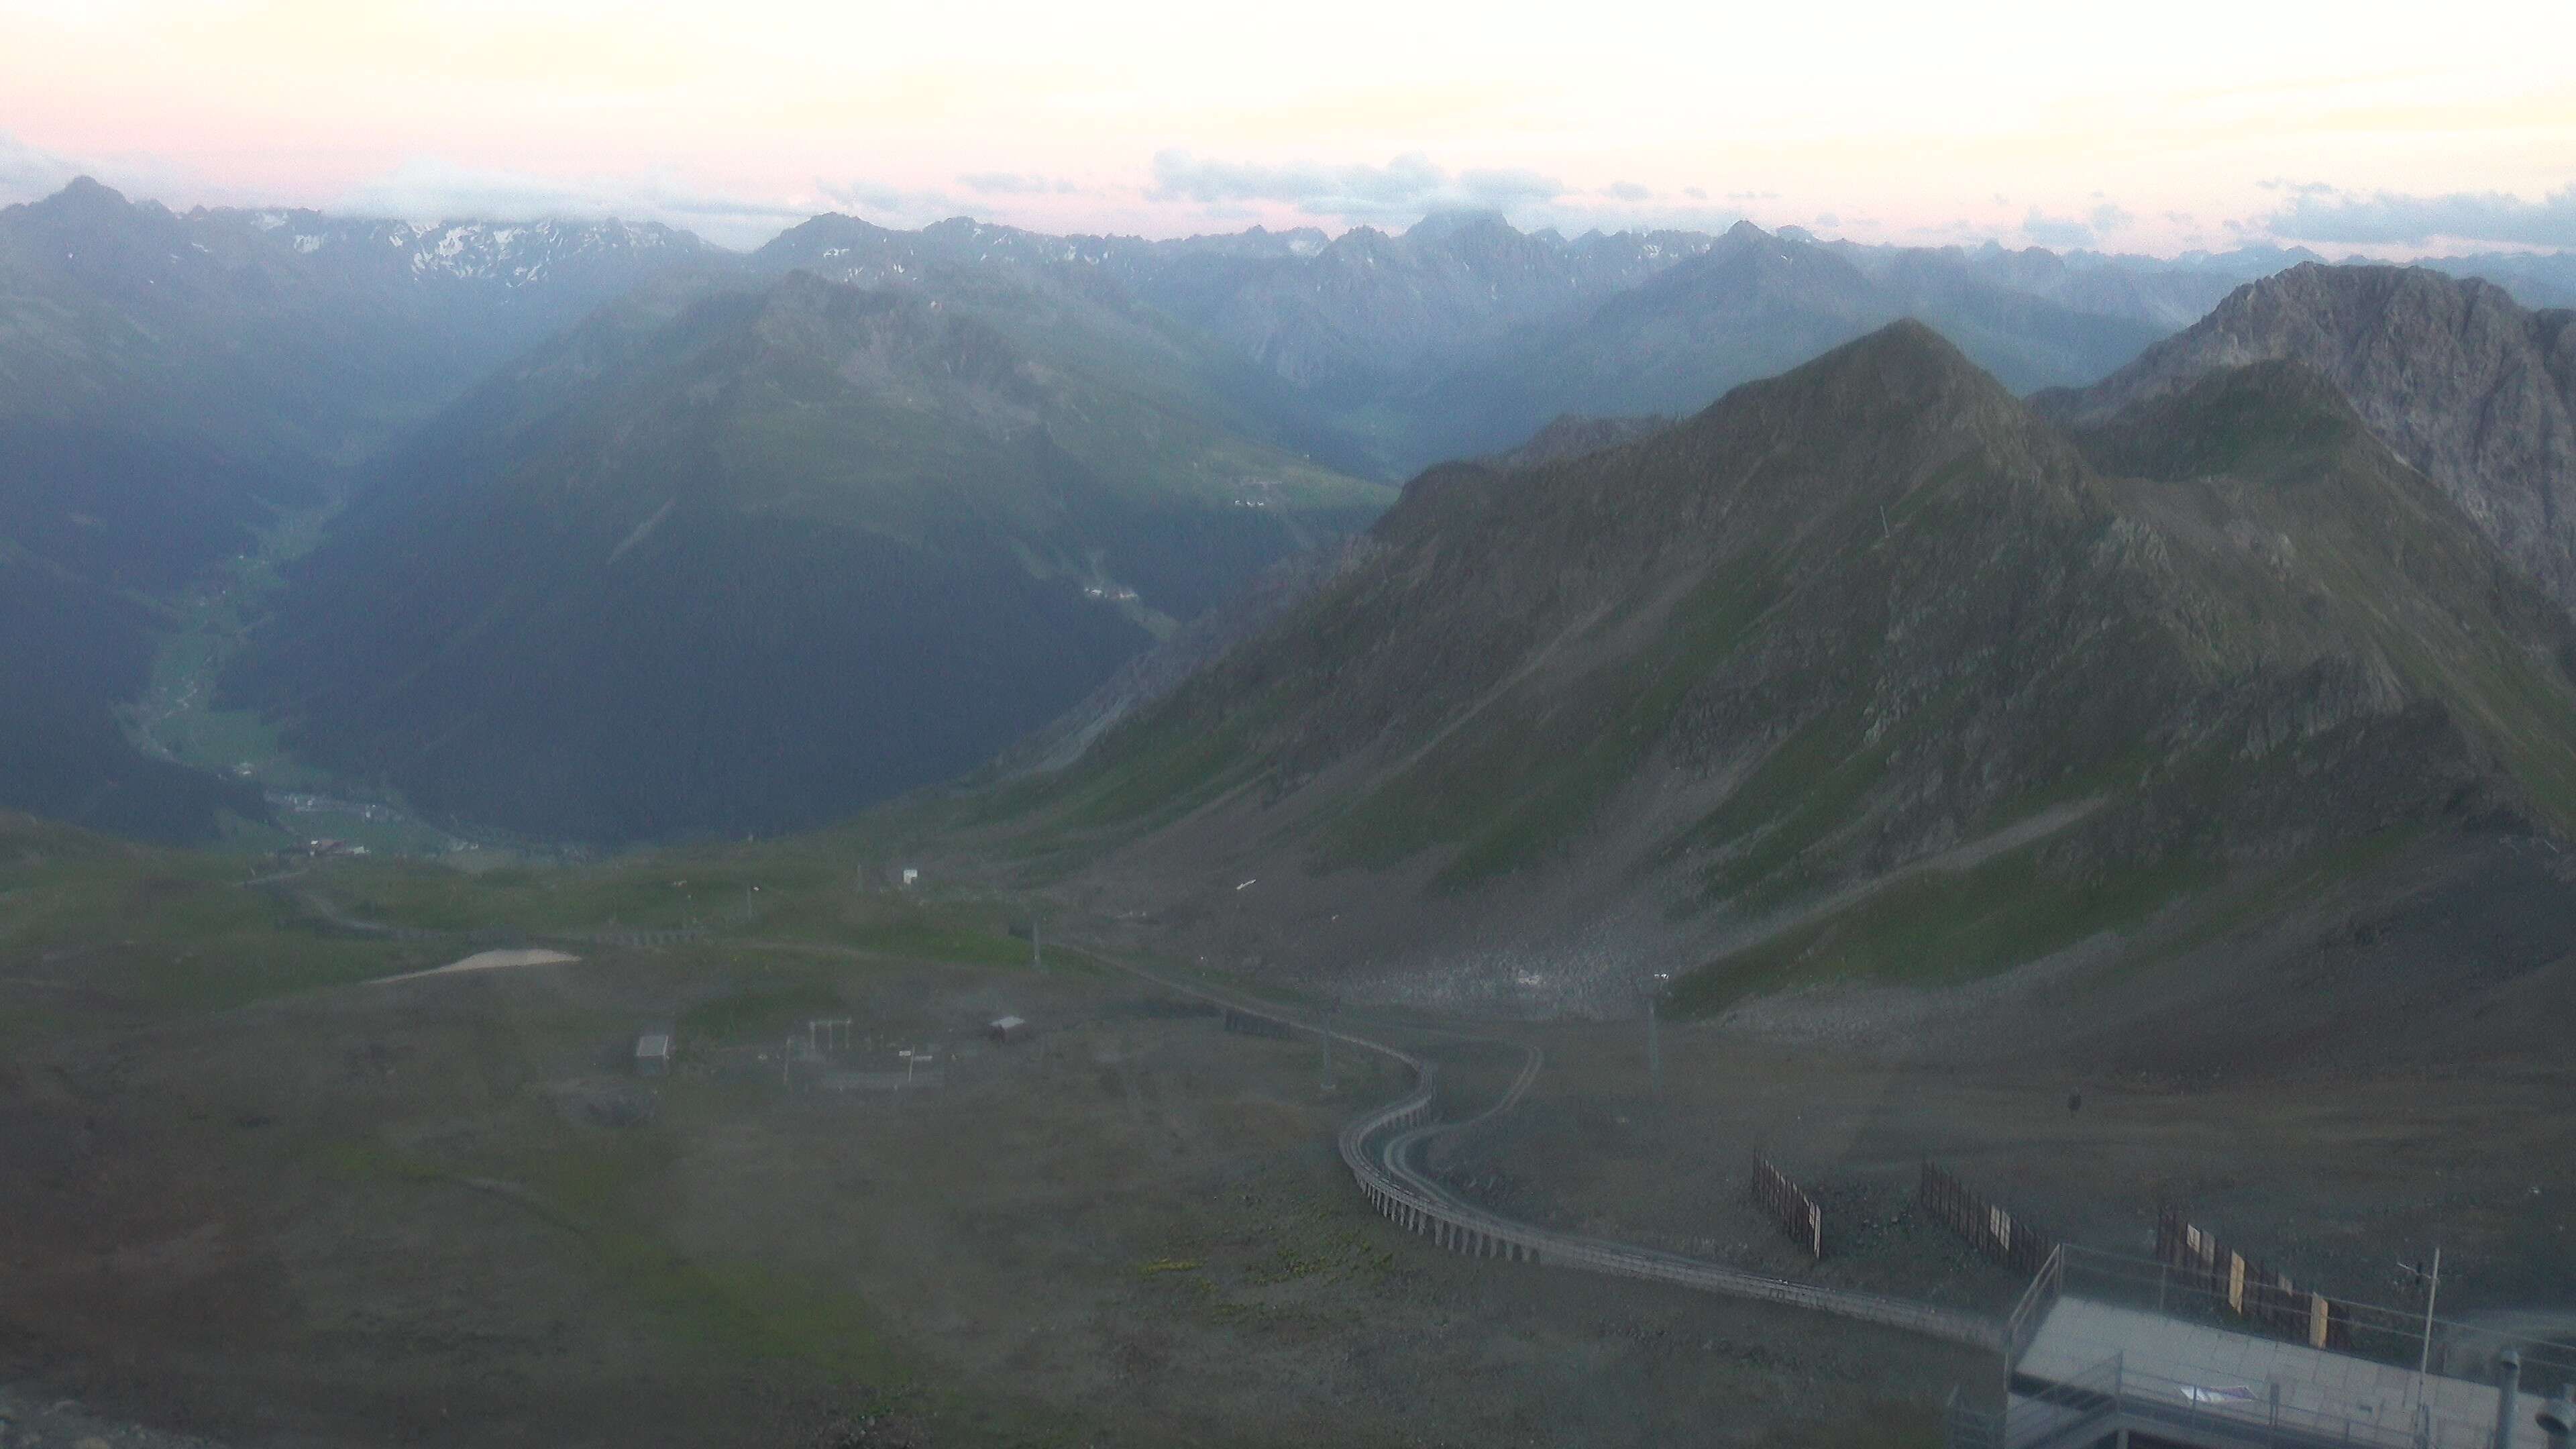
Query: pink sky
x: 2355, y: 126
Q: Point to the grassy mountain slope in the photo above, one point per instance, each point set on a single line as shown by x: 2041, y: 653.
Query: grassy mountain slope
x: 1865, y: 668
x: 743, y: 557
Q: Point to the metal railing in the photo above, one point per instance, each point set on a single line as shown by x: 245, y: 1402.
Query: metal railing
x: 2393, y: 1336
x: 1378, y: 1146
x: 2085, y: 1407
x: 2075, y: 1411
x: 2023, y: 1323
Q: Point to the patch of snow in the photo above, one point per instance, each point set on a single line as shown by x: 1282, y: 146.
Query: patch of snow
x: 308, y: 244
x: 644, y: 528
x: 490, y: 961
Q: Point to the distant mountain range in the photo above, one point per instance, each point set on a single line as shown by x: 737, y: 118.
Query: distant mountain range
x: 923, y: 488
x: 1462, y: 335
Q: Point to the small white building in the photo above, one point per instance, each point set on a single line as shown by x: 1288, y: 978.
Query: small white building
x: 911, y: 877
x: 653, y: 1054
x: 1007, y: 1029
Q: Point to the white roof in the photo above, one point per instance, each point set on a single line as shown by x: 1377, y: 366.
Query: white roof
x: 653, y: 1044
x: 1007, y: 1022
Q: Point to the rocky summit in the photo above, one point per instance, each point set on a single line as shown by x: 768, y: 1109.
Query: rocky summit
x: 2455, y: 375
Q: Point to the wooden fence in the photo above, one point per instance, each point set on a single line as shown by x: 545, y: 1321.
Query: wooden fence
x: 1790, y: 1206
x: 2251, y: 1290
x: 1994, y: 1230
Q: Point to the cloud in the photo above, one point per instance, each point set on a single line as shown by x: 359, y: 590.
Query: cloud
x: 1406, y: 187
x: 1827, y: 218
x: 1695, y: 193
x: 1628, y: 191
x: 2056, y: 231
x: 2108, y: 217
x: 427, y: 189
x: 895, y: 205
x: 2318, y: 213
x: 1753, y: 196
x: 27, y: 173
x: 1014, y: 183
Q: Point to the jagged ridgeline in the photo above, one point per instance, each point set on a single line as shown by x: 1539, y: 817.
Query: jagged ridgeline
x: 1750, y: 675
x: 2451, y: 372
x: 748, y: 554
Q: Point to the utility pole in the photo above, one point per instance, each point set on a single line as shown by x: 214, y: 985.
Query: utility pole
x: 1037, y: 952
x: 2432, y: 1290
x: 1654, y: 1043
x: 1654, y: 1050
x: 1332, y: 1009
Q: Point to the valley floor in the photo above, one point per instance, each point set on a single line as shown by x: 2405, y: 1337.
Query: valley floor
x: 331, y: 1209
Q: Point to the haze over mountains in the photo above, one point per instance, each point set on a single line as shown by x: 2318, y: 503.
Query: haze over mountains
x: 644, y: 539
x: 169, y: 382
x: 736, y: 557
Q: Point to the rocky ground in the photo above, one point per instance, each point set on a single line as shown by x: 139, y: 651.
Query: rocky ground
x: 30, y: 1420
x: 386, y: 1213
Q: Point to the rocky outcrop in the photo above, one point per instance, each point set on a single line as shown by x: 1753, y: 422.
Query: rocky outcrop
x: 2462, y: 381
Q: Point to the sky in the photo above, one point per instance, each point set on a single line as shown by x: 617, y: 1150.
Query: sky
x: 2382, y: 128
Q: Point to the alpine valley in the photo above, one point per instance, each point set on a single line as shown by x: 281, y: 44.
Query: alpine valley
x: 961, y: 837
x: 595, y: 534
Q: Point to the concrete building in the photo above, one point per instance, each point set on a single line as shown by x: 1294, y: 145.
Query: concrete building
x: 653, y: 1054
x: 2107, y: 1351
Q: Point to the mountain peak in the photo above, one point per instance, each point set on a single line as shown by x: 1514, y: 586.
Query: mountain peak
x: 1906, y: 361
x: 1903, y: 390
x: 1443, y: 225
x: 86, y: 196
